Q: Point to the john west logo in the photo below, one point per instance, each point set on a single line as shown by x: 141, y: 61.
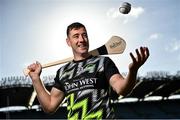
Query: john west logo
x: 115, y: 44
x: 79, y: 84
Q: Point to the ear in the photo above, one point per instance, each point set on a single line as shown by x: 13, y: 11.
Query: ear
x: 68, y: 42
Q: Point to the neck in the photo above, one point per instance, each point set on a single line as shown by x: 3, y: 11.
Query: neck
x: 81, y: 57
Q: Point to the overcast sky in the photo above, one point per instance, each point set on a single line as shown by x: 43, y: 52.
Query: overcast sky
x: 33, y: 30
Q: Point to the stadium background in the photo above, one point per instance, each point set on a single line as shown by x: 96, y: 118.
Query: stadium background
x: 155, y: 96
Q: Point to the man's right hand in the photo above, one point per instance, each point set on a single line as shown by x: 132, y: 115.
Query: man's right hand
x: 35, y: 71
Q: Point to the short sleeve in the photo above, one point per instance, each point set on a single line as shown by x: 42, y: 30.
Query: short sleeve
x: 110, y: 68
x: 58, y: 83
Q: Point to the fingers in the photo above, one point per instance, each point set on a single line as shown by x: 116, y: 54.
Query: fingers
x: 142, y: 52
x: 147, y: 52
x: 132, y: 57
x: 35, y: 71
x: 138, y: 55
x: 34, y: 66
x: 38, y: 64
x: 141, y: 56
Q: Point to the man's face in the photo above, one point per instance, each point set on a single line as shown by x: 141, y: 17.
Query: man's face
x: 78, y: 41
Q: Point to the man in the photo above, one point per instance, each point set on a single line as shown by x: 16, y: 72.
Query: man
x: 86, y: 80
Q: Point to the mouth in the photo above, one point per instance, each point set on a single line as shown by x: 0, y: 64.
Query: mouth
x: 83, y: 46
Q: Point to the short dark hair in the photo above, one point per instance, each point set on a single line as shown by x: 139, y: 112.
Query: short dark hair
x: 75, y: 25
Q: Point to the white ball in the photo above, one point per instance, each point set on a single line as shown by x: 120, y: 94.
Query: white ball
x: 125, y: 8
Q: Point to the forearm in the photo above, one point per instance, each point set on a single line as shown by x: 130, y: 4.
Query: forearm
x: 43, y: 95
x: 122, y: 85
x: 130, y: 81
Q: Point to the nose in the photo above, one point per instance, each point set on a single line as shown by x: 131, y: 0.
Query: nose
x: 81, y: 38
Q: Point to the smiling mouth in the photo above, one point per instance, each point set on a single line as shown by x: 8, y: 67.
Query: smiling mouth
x: 82, y: 46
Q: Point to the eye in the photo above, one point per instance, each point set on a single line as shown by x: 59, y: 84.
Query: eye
x: 76, y: 36
x: 85, y: 35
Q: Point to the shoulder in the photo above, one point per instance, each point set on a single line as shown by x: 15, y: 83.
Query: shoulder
x: 63, y: 67
x: 101, y: 57
x: 104, y: 59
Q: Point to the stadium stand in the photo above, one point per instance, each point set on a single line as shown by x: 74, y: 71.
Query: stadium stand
x: 155, y: 96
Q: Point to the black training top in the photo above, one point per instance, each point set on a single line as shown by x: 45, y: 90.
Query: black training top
x: 86, y: 87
